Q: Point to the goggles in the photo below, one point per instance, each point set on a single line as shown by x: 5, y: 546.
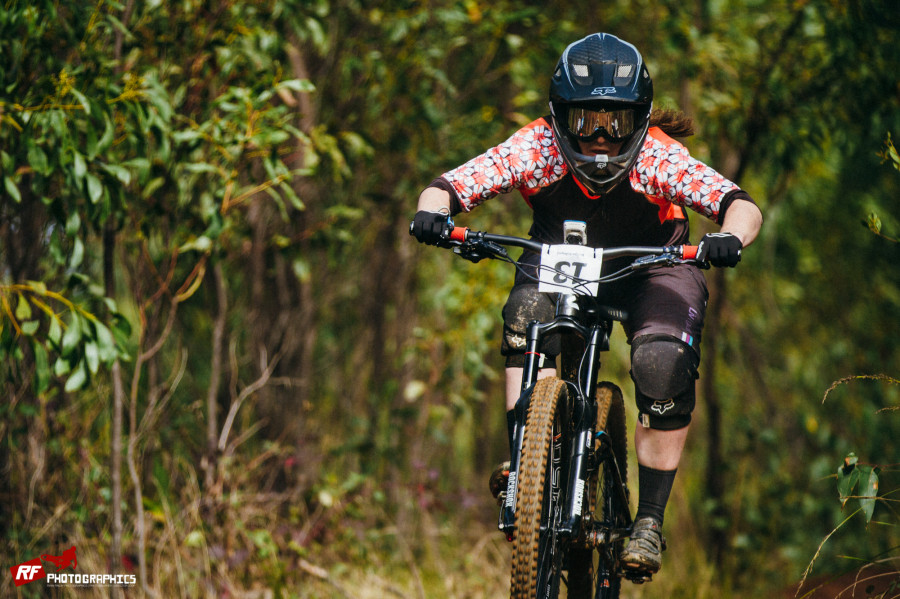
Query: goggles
x: 588, y: 125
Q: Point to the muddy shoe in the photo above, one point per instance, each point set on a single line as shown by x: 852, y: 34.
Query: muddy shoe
x: 498, y: 482
x: 642, y: 557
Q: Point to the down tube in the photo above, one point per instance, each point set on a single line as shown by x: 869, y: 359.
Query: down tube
x: 584, y: 420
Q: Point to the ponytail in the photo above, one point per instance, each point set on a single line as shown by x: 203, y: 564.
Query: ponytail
x: 673, y: 123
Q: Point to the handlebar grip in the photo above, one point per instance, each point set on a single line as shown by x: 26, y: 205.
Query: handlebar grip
x: 689, y: 252
x: 459, y: 234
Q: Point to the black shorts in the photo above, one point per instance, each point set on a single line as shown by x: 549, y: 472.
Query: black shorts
x: 659, y: 301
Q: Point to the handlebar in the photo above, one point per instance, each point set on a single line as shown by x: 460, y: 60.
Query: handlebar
x: 461, y: 235
x: 478, y: 245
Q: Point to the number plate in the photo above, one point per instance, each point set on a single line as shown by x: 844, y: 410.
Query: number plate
x: 570, y: 269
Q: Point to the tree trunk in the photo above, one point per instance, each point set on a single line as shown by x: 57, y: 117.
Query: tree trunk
x: 215, y: 376
x: 118, y: 399
x: 118, y: 403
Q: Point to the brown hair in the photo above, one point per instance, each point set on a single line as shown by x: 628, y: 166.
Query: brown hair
x: 672, y: 122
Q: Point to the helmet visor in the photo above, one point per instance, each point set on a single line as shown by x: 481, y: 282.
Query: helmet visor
x: 587, y: 124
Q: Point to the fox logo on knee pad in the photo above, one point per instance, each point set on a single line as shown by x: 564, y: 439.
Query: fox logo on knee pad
x: 664, y: 370
x: 662, y: 406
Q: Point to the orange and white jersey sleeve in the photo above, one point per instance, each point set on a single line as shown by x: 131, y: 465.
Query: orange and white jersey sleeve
x: 528, y: 160
x: 665, y: 171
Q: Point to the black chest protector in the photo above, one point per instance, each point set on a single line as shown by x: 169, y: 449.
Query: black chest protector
x: 620, y: 217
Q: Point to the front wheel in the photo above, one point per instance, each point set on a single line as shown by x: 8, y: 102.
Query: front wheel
x: 538, y: 553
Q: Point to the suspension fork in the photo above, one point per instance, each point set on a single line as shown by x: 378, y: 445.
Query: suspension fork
x: 520, y: 412
x: 584, y: 419
x: 597, y: 340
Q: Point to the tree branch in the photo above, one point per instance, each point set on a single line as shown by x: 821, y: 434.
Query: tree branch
x: 245, y: 393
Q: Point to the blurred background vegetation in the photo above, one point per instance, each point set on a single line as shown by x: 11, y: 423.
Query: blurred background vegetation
x: 227, y: 368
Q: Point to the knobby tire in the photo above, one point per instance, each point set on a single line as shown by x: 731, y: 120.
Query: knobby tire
x: 536, y: 563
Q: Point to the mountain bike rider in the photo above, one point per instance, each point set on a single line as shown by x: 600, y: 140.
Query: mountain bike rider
x: 603, y: 156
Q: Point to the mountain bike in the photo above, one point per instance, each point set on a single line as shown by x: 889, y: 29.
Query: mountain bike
x: 566, y: 507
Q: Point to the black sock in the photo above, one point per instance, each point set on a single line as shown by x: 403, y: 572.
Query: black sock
x: 654, y: 487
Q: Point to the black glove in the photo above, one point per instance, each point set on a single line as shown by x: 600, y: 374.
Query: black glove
x: 427, y: 226
x: 721, y: 249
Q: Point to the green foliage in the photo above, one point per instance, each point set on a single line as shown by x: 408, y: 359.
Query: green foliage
x: 91, y: 144
x: 890, y: 152
x: 855, y: 480
x: 80, y: 342
x: 852, y: 474
x: 873, y: 221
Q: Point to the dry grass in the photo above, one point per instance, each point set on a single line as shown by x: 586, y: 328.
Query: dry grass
x: 256, y: 535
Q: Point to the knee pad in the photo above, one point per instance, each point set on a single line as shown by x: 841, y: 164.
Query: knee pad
x: 524, y: 305
x: 664, y: 370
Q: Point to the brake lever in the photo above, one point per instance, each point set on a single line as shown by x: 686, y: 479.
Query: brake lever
x: 648, y: 261
x: 478, y: 250
x: 666, y: 260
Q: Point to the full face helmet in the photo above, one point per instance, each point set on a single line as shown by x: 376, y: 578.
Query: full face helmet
x: 601, y: 87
